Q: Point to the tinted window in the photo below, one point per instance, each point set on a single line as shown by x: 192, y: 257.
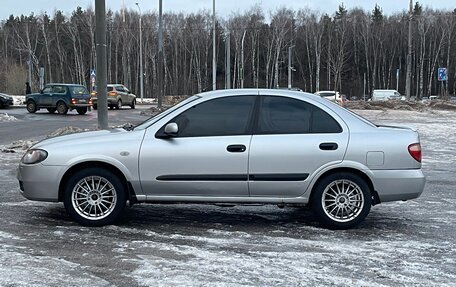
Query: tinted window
x: 110, y: 89
x: 280, y: 115
x: 219, y: 117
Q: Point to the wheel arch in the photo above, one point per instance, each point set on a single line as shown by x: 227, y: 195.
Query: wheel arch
x: 130, y: 193
x: 365, y: 177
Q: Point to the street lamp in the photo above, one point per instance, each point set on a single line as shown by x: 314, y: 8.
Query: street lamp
x: 141, y: 73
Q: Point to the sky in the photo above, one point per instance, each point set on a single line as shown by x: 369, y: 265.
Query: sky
x: 224, y: 8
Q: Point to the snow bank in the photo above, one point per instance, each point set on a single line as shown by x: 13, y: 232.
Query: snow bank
x: 7, y: 118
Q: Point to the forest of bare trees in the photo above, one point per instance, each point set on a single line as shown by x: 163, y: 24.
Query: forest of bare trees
x: 349, y: 51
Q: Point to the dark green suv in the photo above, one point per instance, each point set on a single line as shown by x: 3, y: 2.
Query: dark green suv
x: 60, y: 98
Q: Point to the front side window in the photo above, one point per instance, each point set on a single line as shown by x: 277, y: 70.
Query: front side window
x: 218, y: 117
x: 47, y: 90
x: 281, y: 115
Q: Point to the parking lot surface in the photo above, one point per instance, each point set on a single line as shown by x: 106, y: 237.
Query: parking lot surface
x: 400, y: 244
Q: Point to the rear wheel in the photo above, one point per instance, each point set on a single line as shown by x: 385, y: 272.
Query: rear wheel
x: 51, y: 110
x: 81, y: 111
x: 133, y: 104
x: 62, y: 108
x: 94, y: 197
x: 341, y: 200
x: 31, y: 106
x: 119, y: 105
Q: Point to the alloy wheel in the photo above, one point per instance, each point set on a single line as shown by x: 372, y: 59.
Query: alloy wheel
x: 94, y: 197
x: 342, y: 200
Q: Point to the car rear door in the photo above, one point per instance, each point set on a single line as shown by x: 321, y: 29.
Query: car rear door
x: 209, y: 155
x: 292, y: 140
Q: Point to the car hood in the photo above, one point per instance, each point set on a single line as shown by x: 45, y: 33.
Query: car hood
x: 106, y: 145
x: 80, y: 138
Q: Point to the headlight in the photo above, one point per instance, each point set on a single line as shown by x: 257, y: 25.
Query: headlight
x: 34, y: 156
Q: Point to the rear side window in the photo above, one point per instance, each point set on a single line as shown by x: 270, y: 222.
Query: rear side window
x: 110, y: 89
x: 79, y: 91
x: 281, y: 115
x: 218, y: 117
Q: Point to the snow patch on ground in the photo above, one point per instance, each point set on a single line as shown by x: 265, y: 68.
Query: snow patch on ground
x: 4, y: 117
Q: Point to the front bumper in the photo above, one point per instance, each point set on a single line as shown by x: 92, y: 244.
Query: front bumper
x: 39, y: 182
x: 393, y: 185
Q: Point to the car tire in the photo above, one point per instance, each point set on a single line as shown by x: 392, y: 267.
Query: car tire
x: 81, y: 111
x: 341, y: 200
x: 1, y: 105
x: 62, y: 108
x: 111, y: 107
x: 133, y: 104
x: 31, y: 107
x: 91, y: 205
x: 119, y: 105
x: 51, y: 110
x: 95, y: 107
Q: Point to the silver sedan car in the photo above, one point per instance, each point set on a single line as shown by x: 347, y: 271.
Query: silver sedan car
x: 231, y: 146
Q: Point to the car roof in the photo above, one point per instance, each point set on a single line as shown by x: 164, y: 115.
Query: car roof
x: 60, y: 84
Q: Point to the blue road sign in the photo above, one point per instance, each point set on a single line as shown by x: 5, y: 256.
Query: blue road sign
x: 442, y: 74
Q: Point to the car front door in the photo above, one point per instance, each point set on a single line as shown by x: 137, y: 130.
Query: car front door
x: 45, y: 99
x: 291, y: 141
x: 208, y: 157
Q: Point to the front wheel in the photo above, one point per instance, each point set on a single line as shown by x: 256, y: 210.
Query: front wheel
x: 341, y: 200
x: 94, y: 197
x: 133, y: 104
x: 31, y: 107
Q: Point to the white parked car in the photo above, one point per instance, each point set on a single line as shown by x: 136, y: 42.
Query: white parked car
x: 385, y: 95
x: 332, y: 96
x: 231, y: 146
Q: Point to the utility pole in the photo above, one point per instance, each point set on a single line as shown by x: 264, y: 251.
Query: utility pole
x: 141, y: 72
x: 408, y: 79
x: 214, y: 60
x: 227, y: 61
x: 100, y: 37
x: 161, y: 83
x: 290, y: 67
x: 242, y: 61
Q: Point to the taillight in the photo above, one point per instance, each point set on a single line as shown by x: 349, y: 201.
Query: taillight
x: 112, y: 94
x: 415, y: 151
x: 73, y: 101
x: 93, y: 94
x: 90, y: 101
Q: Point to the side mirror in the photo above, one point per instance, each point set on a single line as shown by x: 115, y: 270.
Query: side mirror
x: 171, y: 129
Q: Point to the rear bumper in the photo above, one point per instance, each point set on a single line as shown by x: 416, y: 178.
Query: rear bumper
x: 392, y: 185
x: 111, y: 101
x: 7, y: 103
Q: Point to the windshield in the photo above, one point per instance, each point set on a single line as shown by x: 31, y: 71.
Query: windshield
x: 164, y: 113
